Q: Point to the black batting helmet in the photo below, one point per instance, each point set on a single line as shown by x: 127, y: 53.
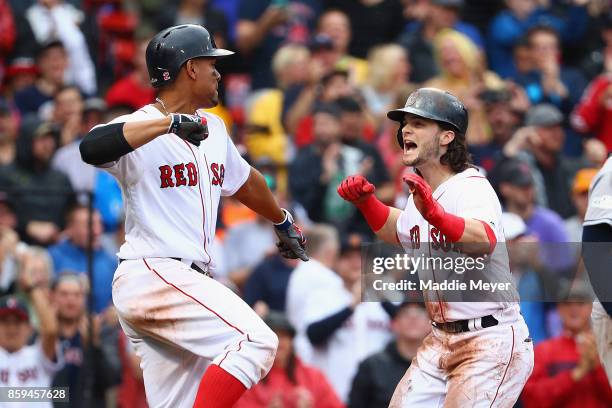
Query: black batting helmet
x: 174, y: 46
x: 434, y: 104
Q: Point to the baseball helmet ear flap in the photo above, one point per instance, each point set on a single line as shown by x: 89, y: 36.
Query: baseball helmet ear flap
x: 400, y: 138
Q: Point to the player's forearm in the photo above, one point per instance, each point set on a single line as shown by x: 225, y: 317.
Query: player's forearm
x: 48, y: 328
x: 388, y: 232
x: 256, y: 195
x: 105, y: 144
x: 476, y: 235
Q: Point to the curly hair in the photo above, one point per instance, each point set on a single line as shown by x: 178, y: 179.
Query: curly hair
x: 457, y: 156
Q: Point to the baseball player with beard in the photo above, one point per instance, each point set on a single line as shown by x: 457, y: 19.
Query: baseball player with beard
x: 200, y: 344
x: 478, y: 354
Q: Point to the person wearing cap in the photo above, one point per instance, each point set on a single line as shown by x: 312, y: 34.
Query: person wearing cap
x: 52, y: 63
x: 540, y: 143
x: 342, y: 330
x: 580, y: 194
x: 514, y: 184
x: 377, y: 375
x: 21, y: 72
x: 41, y: 211
x: 23, y: 365
x: 567, y: 371
x: 290, y: 382
x: 318, y: 168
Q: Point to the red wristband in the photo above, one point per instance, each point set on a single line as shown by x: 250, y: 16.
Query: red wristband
x: 374, y: 211
x: 450, y: 225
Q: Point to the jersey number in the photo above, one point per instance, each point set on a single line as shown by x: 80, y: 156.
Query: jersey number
x: 218, y: 174
x: 178, y: 175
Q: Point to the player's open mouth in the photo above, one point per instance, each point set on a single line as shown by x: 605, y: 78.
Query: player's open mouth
x: 409, y: 146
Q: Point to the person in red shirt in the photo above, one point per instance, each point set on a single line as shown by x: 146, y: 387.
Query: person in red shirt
x: 290, y: 383
x: 134, y: 90
x: 567, y: 372
x: 594, y: 112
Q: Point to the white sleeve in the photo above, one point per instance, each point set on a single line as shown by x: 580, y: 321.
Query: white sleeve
x: 403, y: 228
x: 237, y: 170
x: 48, y: 366
x: 323, y: 303
x: 478, y: 200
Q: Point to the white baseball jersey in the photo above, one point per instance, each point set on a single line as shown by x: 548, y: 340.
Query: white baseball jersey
x: 28, y: 367
x: 467, y: 194
x: 365, y: 332
x: 172, y: 190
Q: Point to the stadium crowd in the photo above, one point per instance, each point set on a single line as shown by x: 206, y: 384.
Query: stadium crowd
x: 305, y: 97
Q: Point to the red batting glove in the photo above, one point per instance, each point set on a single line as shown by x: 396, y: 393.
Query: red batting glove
x: 449, y: 224
x: 355, y: 189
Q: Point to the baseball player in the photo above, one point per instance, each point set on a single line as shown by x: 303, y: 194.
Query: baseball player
x: 478, y: 353
x: 200, y: 344
x: 596, y: 237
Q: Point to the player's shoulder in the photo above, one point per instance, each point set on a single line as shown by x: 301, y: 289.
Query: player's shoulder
x: 212, y: 119
x: 469, y: 179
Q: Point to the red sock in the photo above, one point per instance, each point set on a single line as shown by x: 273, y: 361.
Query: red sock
x: 218, y: 389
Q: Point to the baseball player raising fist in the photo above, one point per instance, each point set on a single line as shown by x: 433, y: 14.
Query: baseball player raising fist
x: 200, y: 344
x: 478, y: 354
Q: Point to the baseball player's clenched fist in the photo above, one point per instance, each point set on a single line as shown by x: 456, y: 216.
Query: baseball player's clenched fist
x: 192, y: 128
x: 355, y: 189
x: 422, y: 196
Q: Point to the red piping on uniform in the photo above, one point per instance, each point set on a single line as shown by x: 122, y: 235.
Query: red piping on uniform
x: 508, y: 366
x: 239, y: 347
x: 192, y: 298
x: 209, y: 183
x: 201, y: 200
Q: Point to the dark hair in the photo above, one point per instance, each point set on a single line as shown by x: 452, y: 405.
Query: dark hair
x: 348, y: 104
x: 457, y: 156
x: 542, y: 28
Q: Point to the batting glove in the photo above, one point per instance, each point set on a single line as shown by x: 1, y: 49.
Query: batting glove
x: 191, y: 128
x: 355, y: 189
x: 291, y: 243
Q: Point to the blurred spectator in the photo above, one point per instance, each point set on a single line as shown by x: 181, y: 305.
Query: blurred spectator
x: 527, y: 271
x: 428, y: 18
x: 52, y: 63
x: 265, y: 133
x: 550, y: 81
x: 68, y: 114
x: 540, y: 144
x: 57, y: 20
x: 39, y: 194
x: 258, y: 236
x: 9, y: 126
x: 594, y: 112
x: 135, y: 89
x: 200, y: 12
x: 71, y: 254
x: 323, y: 247
x: 567, y: 371
x: 342, y: 330
x: 379, y: 374
x: 266, y: 288
x: 23, y: 365
x: 69, y: 295
x: 290, y: 382
x: 510, y: 25
x: 9, y: 243
x: 264, y: 25
x: 21, y: 72
x: 504, y: 112
x: 599, y: 60
x: 319, y: 168
x: 580, y: 196
x: 8, y: 33
x: 336, y: 25
x: 374, y: 22
x: 515, y: 187
x: 462, y: 74
x: 389, y: 70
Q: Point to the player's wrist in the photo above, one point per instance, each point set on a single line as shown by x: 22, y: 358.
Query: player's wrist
x: 450, y: 225
x: 286, y: 222
x: 374, y: 211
